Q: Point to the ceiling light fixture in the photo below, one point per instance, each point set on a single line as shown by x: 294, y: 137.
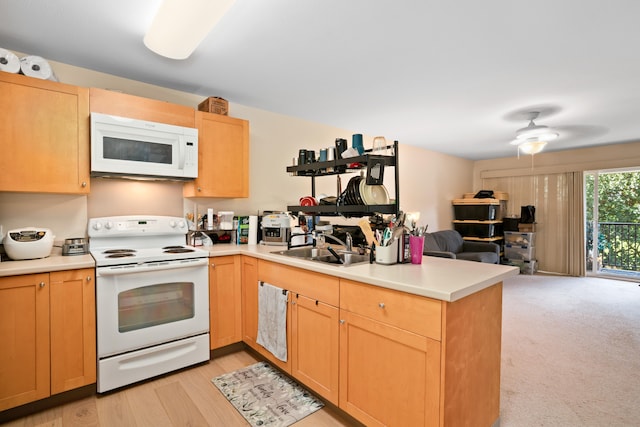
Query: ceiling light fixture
x: 533, y: 138
x: 180, y: 25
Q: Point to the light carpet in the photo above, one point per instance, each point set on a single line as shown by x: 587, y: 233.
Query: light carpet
x: 570, y: 352
x: 265, y: 397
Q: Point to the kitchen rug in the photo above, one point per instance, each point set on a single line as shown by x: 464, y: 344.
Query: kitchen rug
x: 265, y: 397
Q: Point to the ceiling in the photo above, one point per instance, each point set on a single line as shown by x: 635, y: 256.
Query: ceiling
x: 453, y: 77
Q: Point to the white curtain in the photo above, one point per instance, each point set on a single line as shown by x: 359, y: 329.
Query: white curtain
x: 558, y: 199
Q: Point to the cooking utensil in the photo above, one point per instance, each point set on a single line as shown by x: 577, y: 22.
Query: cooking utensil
x: 368, y: 232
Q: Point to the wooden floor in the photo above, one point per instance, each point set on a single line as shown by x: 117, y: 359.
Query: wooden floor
x: 185, y: 398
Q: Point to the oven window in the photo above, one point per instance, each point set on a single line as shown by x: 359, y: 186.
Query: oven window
x: 137, y: 151
x: 155, y: 305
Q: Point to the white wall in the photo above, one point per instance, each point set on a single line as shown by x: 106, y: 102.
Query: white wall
x: 428, y: 180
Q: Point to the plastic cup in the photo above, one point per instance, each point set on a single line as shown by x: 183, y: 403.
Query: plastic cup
x: 416, y: 247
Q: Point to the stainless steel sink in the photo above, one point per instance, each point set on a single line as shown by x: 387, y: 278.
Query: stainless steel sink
x: 324, y: 256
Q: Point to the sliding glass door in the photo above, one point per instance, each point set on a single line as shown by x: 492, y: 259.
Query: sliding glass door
x: 612, y: 210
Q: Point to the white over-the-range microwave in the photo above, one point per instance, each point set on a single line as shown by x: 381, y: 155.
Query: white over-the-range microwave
x: 123, y: 147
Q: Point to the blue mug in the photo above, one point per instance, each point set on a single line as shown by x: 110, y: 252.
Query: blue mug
x: 356, y: 142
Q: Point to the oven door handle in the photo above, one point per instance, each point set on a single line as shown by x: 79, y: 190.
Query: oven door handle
x: 151, y: 266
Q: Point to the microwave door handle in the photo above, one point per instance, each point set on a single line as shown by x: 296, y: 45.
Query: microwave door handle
x: 181, y: 152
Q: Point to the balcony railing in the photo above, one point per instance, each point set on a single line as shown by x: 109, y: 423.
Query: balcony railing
x: 618, y: 245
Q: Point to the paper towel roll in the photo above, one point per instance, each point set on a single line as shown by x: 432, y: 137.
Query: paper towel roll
x: 36, y: 66
x: 9, y: 62
x: 253, y: 230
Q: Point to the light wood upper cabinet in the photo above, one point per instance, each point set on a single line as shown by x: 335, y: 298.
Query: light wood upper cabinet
x: 44, y: 136
x: 73, y: 329
x: 24, y: 339
x: 136, y: 107
x: 225, y: 300
x: 223, y: 157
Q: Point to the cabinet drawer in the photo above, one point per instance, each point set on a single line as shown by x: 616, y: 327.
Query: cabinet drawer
x: 312, y: 285
x: 413, y: 313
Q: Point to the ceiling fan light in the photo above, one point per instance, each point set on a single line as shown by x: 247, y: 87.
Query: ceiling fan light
x: 180, y: 25
x: 535, y: 131
x: 532, y: 147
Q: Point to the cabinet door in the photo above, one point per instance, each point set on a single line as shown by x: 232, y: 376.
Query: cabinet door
x: 223, y: 157
x: 314, y: 345
x: 225, y: 301
x: 388, y: 376
x: 24, y: 339
x: 73, y: 329
x: 137, y: 107
x: 44, y: 136
x: 250, y: 300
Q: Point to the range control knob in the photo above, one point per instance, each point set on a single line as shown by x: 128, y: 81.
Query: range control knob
x: 97, y: 226
x: 172, y: 224
x: 108, y: 225
x: 182, y: 224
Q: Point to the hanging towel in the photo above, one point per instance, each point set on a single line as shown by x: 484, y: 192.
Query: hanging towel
x: 272, y: 319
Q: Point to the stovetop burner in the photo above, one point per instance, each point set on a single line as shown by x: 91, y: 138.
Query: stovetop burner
x: 176, y: 249
x: 119, y: 251
x: 120, y: 255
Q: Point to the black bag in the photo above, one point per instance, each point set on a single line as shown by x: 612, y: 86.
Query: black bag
x: 484, y: 194
x: 527, y: 214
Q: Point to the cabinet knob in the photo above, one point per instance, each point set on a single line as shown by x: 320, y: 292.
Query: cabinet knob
x: 199, y: 189
x: 381, y: 304
x: 342, y: 321
x: 84, y: 184
x: 88, y: 278
x: 213, y: 265
x: 293, y: 302
x: 42, y: 284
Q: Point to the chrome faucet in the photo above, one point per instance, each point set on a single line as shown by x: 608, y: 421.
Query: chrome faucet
x: 348, y: 245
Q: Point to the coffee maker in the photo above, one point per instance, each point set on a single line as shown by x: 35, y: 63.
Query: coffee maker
x: 276, y: 229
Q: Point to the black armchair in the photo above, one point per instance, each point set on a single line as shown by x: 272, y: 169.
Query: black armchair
x: 450, y: 244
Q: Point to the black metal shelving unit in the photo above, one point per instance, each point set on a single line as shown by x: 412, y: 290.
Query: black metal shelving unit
x: 342, y: 166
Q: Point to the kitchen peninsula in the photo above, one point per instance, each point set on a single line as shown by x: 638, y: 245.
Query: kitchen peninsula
x: 390, y: 345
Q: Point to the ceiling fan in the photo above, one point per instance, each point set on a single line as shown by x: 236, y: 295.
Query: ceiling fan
x: 533, y: 138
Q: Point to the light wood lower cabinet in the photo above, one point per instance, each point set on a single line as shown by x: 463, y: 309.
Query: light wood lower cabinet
x: 73, y: 329
x: 314, y: 345
x: 250, y: 300
x: 387, y: 358
x: 312, y: 325
x: 47, y: 335
x: 225, y: 300
x: 24, y: 339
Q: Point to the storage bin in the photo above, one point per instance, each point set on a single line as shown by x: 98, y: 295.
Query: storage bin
x: 526, y: 267
x: 478, y: 228
x: 520, y: 239
x: 510, y: 223
x: 477, y: 212
x: 516, y: 252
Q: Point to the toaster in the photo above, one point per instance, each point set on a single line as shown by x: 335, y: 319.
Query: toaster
x: 28, y: 243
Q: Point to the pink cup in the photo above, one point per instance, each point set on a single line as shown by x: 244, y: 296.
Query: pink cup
x: 416, y: 246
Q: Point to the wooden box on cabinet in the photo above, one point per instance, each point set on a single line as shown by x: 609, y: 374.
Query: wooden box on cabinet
x: 223, y: 157
x: 44, y: 136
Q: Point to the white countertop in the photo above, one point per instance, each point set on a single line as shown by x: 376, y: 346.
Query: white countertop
x: 439, y: 278
x: 54, y: 262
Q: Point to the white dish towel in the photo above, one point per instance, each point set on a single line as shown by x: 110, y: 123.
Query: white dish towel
x: 272, y: 319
